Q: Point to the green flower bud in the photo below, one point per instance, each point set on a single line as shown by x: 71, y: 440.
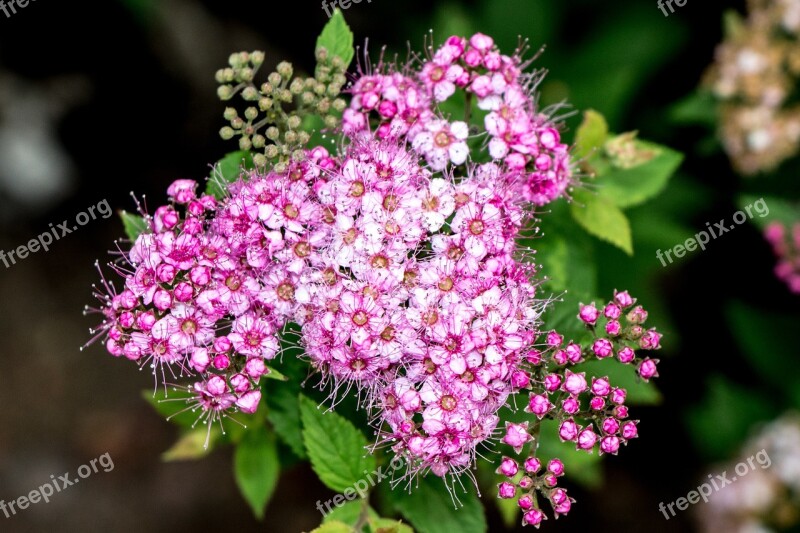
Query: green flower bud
x: 246, y: 74
x: 319, y: 88
x: 310, y: 83
x: 226, y: 133
x: 259, y: 141
x: 244, y: 58
x: 271, y: 151
x: 290, y: 137
x: 229, y: 74
x: 220, y: 76
x: 298, y: 155
x: 334, y: 90
x: 296, y: 87
x: 324, y: 106
x: 244, y: 143
x: 250, y: 113
x: 337, y: 63
x: 250, y: 94
x: 285, y: 69
x: 303, y: 137
x: 331, y: 121
x: 286, y: 96
x: 265, y: 103
x: 339, y: 104
x: 257, y: 57
x: 234, y: 60
x: 273, y: 133
x: 339, y: 79
x: 224, y: 92
x: 237, y: 123
x: 230, y: 114
x: 293, y: 122
x: 308, y: 98
x: 321, y: 54
x: 260, y: 160
x: 274, y: 78
x: 323, y: 74
x: 266, y: 88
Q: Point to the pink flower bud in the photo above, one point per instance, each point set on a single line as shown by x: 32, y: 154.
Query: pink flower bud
x: 533, y: 517
x: 623, y: 299
x: 508, y: 467
x: 629, y: 430
x: 626, y: 355
x: 573, y: 353
x: 182, y: 191
x: 647, y: 369
x: 525, y: 502
x: 620, y: 412
x: 145, y: 321
x: 216, y: 386
x: 560, y: 357
x: 516, y: 435
x: 165, y: 273
x: 602, y: 348
x: 600, y: 386
x: 597, y: 403
x: 183, y: 292
x: 255, y: 367
x: 162, y: 300
x: 552, y: 382
x: 568, y: 430
x: 165, y: 218
x: 126, y: 319
x: 248, y: 402
x: 240, y: 383
x: 563, y: 507
x: 554, y: 339
x: 506, y: 490
x: 520, y: 380
x: 558, y: 496
x: 556, y: 467
x: 481, y: 42
x: 221, y: 361
x: 222, y: 344
x: 550, y: 480
x: 610, y: 426
x: 612, y: 311
x: 199, y: 360
x: 532, y: 465
x: 127, y: 300
x: 574, y: 383
x: 539, y: 405
x: 637, y: 315
x: 618, y: 396
x: 200, y: 275
x: 525, y: 482
x: 534, y: 357
x: 472, y: 58
x: 587, y: 439
x: 613, y: 328
x: 549, y: 138
x: 650, y: 340
x: 570, y: 405
x: 589, y: 314
x: 609, y: 444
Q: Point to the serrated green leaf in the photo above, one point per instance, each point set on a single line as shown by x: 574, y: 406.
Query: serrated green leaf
x: 601, y: 218
x: 509, y: 511
x: 430, y: 509
x: 134, y: 225
x: 256, y: 468
x: 591, y: 134
x: 337, y: 38
x: 627, y: 187
x: 334, y: 445
x: 227, y: 170
x: 766, y: 209
x: 283, y: 409
x: 333, y: 527
x: 194, y: 444
x: 388, y: 525
x: 624, y: 376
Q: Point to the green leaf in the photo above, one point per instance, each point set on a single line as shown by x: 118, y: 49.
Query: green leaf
x: 699, y: 107
x: 430, y: 509
x: 337, y: 38
x: 509, y: 511
x: 256, y: 468
x: 227, y: 170
x: 591, y: 134
x: 172, y: 406
x: 624, y: 376
x: 333, y: 527
x: 627, y: 187
x: 334, y: 445
x: 349, y: 512
x: 601, y: 218
x: 194, y: 444
x: 388, y: 525
x: 769, y: 209
x: 134, y: 225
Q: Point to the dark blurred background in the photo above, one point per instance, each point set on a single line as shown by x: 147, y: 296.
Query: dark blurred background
x: 101, y: 98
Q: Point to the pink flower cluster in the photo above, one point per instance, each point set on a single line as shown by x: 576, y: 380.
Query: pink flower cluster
x: 590, y: 412
x: 397, y: 259
x: 787, y: 249
x: 525, y: 142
